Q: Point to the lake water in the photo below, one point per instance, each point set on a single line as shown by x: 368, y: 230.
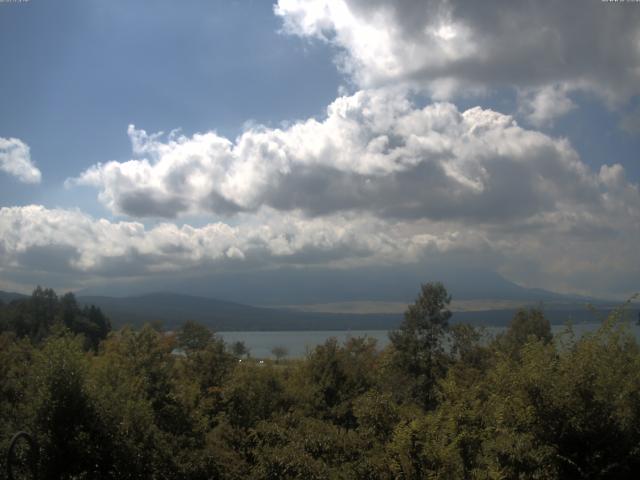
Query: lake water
x: 299, y: 342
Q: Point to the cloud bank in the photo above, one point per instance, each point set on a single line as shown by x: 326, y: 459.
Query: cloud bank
x: 74, y: 242
x: 15, y: 160
x: 453, y: 48
x: 380, y: 180
x: 374, y: 153
x: 571, y: 251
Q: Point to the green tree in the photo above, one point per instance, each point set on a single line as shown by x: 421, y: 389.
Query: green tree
x: 16, y: 381
x: 194, y: 336
x: 253, y: 393
x: 89, y: 321
x: 418, y: 344
x: 526, y: 325
x: 279, y: 352
x: 293, y: 446
x: 94, y: 324
x: 239, y: 348
x: 43, y: 309
x: 38, y: 316
x: 377, y: 415
x: 334, y: 376
x: 67, y: 424
x: 210, y: 369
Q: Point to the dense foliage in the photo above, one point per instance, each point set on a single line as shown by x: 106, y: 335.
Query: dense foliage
x: 36, y: 317
x: 440, y: 401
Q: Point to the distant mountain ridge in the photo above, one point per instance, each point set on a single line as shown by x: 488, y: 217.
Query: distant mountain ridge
x: 7, y: 297
x: 301, y: 286
x: 172, y: 310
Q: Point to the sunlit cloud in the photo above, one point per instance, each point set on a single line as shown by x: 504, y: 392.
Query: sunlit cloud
x: 15, y: 159
x: 452, y: 48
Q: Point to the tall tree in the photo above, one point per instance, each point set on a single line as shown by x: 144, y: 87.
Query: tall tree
x: 279, y: 352
x: 526, y: 325
x: 239, y: 348
x: 418, y: 343
x: 194, y: 336
x: 43, y: 307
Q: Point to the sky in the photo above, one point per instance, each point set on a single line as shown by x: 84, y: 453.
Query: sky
x: 142, y: 141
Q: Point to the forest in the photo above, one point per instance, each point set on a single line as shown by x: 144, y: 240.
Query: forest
x: 441, y: 401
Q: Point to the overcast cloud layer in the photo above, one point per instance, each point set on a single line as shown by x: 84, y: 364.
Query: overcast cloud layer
x: 544, y: 49
x: 571, y: 251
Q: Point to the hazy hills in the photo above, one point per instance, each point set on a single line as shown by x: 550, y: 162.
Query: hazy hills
x: 323, y: 299
x: 171, y: 310
x: 302, y: 286
x: 7, y: 297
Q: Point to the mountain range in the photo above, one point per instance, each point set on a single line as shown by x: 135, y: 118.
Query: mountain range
x: 323, y: 299
x: 303, y: 286
x: 172, y: 310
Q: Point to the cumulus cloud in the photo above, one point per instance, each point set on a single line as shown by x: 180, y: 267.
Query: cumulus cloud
x: 452, y: 47
x: 34, y: 238
x: 375, y: 153
x: 573, y: 250
x: 379, y: 180
x: 541, y: 106
x: 15, y: 160
x: 382, y: 180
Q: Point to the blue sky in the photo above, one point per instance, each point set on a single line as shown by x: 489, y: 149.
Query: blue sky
x: 77, y: 73
x: 335, y: 135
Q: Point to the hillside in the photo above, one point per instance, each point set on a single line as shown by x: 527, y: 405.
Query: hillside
x: 7, y: 297
x: 301, y: 286
x: 174, y: 309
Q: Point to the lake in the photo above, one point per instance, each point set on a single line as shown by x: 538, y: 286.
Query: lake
x: 299, y: 342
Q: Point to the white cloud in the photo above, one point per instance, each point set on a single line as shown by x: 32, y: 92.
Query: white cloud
x: 452, y: 47
x: 15, y: 160
x: 378, y: 181
x: 542, y: 105
x: 375, y: 152
x: 37, y: 242
x: 577, y: 250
